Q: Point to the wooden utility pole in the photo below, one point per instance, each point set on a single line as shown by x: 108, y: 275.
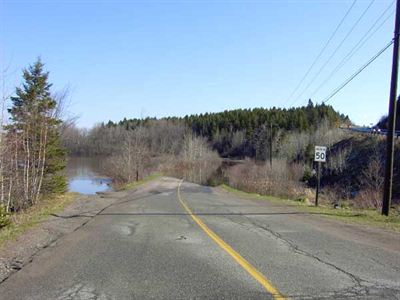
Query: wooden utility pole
x: 388, y: 184
x: 270, y: 146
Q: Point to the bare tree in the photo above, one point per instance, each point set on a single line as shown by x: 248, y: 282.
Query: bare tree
x: 199, y: 161
x: 129, y: 162
x: 371, y: 181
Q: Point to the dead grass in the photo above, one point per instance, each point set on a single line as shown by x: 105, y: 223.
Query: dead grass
x: 281, y: 179
x: 134, y: 184
x: 22, y: 221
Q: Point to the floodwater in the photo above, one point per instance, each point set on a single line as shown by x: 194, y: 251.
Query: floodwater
x: 85, y: 177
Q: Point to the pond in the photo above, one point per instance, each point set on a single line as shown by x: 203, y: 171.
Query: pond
x: 85, y: 176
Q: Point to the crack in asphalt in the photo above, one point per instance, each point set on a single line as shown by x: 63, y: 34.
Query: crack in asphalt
x: 360, y: 288
x: 82, y: 292
x: 17, y: 264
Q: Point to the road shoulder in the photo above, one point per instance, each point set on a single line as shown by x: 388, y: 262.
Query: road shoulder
x: 363, y: 217
x: 344, y: 225
x: 18, y: 252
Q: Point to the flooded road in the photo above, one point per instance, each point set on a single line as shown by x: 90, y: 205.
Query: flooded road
x: 85, y: 176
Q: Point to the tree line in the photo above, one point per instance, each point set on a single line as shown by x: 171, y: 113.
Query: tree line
x: 236, y: 133
x: 190, y: 146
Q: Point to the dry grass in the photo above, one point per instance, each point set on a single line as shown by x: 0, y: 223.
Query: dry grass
x: 135, y: 184
x: 24, y: 220
x: 281, y: 179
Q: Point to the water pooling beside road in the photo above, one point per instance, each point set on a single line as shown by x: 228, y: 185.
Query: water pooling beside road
x: 85, y: 177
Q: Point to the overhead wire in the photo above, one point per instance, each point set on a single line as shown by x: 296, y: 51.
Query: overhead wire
x: 336, y: 50
x: 347, y: 81
x: 322, y: 51
x: 365, y: 38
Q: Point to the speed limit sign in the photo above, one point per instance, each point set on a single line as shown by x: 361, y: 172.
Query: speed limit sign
x: 320, y: 154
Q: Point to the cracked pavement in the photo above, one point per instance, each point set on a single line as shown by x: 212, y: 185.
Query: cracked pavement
x: 141, y: 244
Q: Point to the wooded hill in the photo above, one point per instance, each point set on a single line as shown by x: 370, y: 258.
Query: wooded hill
x: 243, y: 132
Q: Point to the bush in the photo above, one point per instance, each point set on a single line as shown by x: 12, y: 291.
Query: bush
x: 303, y: 199
x: 368, y: 198
x: 4, y: 217
x: 196, y: 163
x: 282, y: 179
x: 307, y: 175
x: 56, y: 184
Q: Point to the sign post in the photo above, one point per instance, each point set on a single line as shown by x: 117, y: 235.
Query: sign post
x: 319, y: 156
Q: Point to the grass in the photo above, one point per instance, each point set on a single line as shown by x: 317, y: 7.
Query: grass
x: 369, y: 217
x: 134, y: 184
x: 32, y: 216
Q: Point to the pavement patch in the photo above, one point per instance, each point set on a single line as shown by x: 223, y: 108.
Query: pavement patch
x: 83, y: 292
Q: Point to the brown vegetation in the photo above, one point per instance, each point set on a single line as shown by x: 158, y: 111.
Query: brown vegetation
x: 196, y: 162
x: 282, y: 179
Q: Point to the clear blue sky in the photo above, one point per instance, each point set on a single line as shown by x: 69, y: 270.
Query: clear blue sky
x: 172, y: 58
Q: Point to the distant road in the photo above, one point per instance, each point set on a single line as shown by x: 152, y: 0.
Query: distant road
x: 168, y: 240
x: 371, y: 130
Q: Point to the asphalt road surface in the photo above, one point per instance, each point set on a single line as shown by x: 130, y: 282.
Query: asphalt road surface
x: 168, y: 240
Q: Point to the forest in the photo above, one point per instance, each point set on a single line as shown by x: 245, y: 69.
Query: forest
x: 233, y: 134
x: 267, y: 151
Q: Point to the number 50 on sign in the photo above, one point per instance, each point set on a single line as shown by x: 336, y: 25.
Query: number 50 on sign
x: 320, y: 154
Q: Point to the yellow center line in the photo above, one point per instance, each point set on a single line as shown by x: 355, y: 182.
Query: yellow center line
x: 235, y: 255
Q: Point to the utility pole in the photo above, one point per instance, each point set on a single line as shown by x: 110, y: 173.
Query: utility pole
x: 388, y: 184
x: 270, y: 146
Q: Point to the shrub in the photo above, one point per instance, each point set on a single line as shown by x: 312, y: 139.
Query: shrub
x: 4, y: 217
x: 282, y: 179
x: 368, y: 198
x: 196, y: 163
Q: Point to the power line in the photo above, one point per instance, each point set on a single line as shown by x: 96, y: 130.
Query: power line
x: 357, y: 47
x: 336, y: 50
x: 346, y: 59
x: 340, y: 87
x: 322, y: 51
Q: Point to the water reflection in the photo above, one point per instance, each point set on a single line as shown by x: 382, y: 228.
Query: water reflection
x: 85, y: 177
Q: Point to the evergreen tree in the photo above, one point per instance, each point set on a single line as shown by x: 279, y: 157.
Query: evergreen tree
x: 36, y: 125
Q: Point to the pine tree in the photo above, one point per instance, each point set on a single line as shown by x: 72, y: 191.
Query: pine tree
x: 35, y: 123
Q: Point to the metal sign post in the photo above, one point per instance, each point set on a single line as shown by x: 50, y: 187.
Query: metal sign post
x: 319, y: 156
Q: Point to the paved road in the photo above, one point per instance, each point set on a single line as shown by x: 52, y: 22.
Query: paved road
x: 148, y: 245
x: 369, y: 130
